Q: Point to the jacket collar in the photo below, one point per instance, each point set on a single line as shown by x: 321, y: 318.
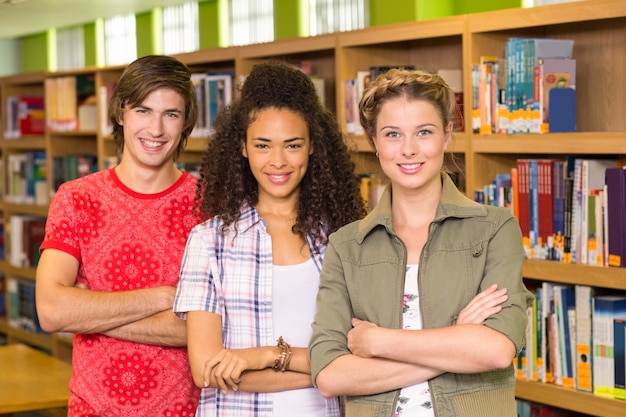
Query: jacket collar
x: 452, y: 204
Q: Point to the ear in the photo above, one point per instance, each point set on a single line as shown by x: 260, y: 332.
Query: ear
x: 244, y: 151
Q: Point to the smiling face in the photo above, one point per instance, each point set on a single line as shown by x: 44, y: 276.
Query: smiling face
x: 410, y: 140
x: 152, y: 129
x: 278, y: 147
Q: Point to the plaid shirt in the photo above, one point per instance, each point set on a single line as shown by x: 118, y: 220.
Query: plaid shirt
x: 231, y: 275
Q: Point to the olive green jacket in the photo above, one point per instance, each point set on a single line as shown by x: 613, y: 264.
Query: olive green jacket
x: 470, y: 246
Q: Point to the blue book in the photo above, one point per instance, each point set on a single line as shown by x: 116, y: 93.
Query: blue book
x: 564, y: 300
x: 619, y: 335
x: 558, y: 194
x: 534, y: 207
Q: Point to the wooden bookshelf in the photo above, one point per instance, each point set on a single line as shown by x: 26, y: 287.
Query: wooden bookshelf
x: 598, y: 29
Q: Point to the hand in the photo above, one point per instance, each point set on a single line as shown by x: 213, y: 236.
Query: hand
x: 226, y: 368
x: 483, y: 305
x: 362, y: 337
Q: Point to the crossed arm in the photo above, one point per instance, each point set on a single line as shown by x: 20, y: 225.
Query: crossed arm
x: 387, y: 359
x: 249, y: 369
x: 143, y: 315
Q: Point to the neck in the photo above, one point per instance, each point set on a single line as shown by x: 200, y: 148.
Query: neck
x: 146, y: 180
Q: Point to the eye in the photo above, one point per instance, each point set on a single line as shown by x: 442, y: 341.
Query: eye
x: 392, y: 134
x: 424, y: 132
x: 173, y: 115
x: 261, y: 146
x: 294, y: 146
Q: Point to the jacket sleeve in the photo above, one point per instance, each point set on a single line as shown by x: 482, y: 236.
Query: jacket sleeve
x: 334, y: 313
x: 503, y: 265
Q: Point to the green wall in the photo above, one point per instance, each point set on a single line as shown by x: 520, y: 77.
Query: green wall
x: 209, y: 24
x: 477, y: 6
x: 146, y: 44
x: 35, y: 52
x: 89, y: 35
x: 287, y: 22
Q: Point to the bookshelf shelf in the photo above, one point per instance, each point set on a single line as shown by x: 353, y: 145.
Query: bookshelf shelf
x: 569, y: 399
x: 43, y: 341
x: 24, y: 143
x: 594, y: 276
x: 584, y: 143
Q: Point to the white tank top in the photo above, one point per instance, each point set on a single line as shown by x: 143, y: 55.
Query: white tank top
x: 293, y: 304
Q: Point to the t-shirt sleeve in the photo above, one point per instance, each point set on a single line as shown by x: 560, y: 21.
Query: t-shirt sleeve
x: 61, y: 229
x: 199, y: 288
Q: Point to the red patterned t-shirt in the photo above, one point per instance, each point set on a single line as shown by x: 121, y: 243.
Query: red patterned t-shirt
x: 125, y: 240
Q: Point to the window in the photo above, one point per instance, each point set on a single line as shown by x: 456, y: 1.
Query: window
x: 120, y: 40
x: 251, y: 21
x: 327, y: 16
x: 70, y: 44
x: 180, y: 28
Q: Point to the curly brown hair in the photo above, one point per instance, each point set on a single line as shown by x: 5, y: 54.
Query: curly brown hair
x: 329, y: 192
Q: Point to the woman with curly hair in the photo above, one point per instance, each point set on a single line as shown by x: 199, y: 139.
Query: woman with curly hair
x: 276, y: 180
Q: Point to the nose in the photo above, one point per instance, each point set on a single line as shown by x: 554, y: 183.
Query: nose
x: 155, y: 127
x: 278, y: 159
x: 409, y: 148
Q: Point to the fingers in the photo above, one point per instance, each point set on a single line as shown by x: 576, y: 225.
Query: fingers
x: 483, y: 305
x: 225, y: 369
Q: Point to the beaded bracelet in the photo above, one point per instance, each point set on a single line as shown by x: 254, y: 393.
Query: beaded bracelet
x: 282, y: 361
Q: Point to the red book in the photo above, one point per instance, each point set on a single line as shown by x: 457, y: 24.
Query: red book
x: 544, y: 202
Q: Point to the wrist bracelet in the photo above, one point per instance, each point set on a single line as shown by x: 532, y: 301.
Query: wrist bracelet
x: 284, y: 357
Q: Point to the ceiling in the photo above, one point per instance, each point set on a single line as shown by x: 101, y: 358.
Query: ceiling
x: 26, y: 17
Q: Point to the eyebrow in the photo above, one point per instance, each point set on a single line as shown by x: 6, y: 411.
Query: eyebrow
x: 290, y: 140
x: 174, y: 110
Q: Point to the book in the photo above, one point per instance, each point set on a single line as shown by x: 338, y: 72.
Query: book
x: 552, y: 73
x: 583, y: 296
x: 524, y: 200
x: 606, y: 309
x: 564, y: 300
x: 592, y: 178
x: 558, y: 207
x: 616, y: 216
x: 545, y: 207
x: 619, y: 336
x: 562, y: 118
x: 31, y: 115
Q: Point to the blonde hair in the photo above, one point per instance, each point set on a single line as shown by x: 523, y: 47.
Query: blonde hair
x: 412, y: 84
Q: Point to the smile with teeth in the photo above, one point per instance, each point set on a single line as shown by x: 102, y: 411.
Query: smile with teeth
x: 411, y: 166
x: 150, y: 144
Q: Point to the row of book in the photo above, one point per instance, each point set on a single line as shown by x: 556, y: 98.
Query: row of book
x: 27, y: 174
x: 214, y: 91
x: 71, y: 103
x: 575, y: 338
x: 514, y: 93
x: 571, y: 210
x: 21, y: 312
x: 26, y: 178
x: 24, y: 115
x: 26, y: 233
